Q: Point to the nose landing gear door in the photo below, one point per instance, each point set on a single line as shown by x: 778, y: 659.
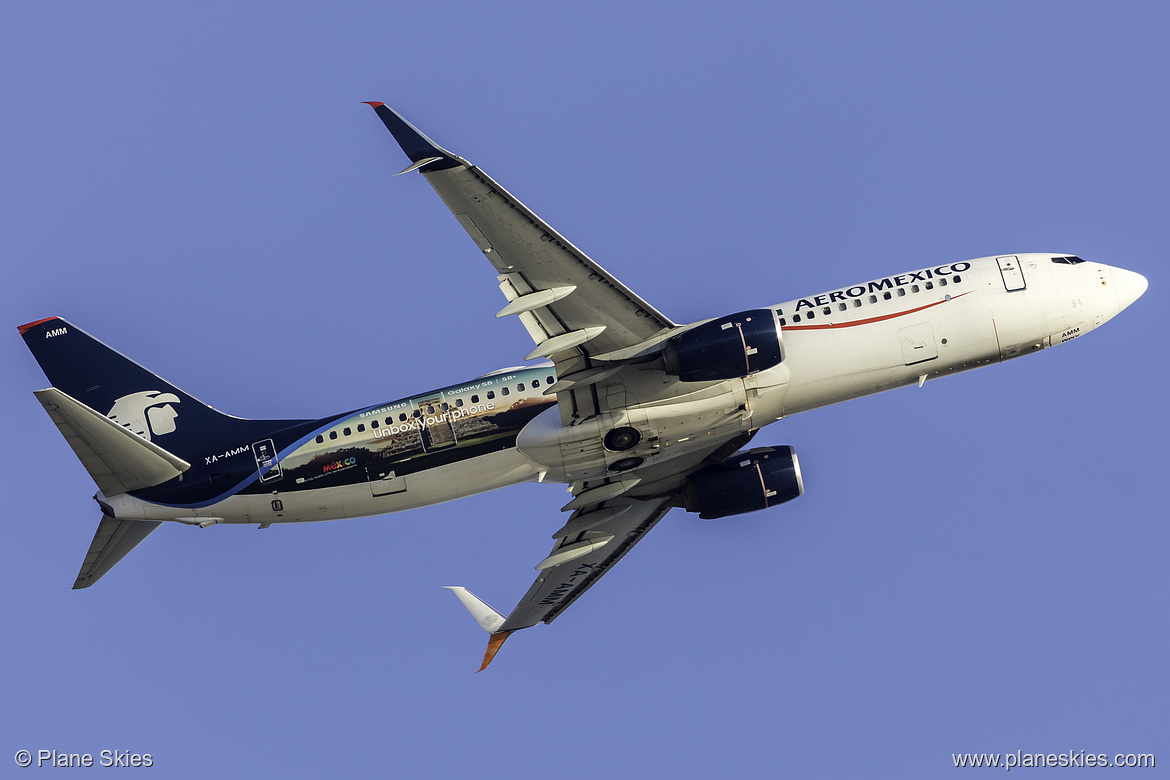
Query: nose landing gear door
x: 266, y: 461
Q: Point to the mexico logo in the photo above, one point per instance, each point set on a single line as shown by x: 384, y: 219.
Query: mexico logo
x: 148, y: 413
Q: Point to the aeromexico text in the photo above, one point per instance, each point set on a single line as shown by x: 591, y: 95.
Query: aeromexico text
x: 889, y: 283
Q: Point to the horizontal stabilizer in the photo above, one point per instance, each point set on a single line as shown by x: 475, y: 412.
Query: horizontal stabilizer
x: 114, y: 538
x: 118, y: 459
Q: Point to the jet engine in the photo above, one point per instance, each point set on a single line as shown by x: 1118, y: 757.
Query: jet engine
x: 759, y: 478
x: 725, y: 348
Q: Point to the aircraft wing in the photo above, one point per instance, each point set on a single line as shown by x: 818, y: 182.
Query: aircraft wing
x: 585, y: 548
x: 593, y: 328
x: 569, y: 304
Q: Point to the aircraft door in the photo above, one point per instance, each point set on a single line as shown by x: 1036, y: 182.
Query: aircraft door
x: 434, y: 418
x: 267, y: 463
x: 1013, y: 275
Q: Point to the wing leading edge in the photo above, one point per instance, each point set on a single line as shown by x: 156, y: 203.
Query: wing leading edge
x: 569, y: 304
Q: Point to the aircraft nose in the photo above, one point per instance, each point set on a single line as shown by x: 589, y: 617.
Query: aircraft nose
x: 1129, y: 286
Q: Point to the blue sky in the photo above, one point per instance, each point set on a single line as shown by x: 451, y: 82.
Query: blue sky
x: 976, y: 566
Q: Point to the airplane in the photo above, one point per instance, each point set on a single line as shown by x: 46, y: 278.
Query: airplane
x: 636, y: 414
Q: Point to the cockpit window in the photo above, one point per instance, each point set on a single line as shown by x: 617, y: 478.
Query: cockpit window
x: 1068, y: 260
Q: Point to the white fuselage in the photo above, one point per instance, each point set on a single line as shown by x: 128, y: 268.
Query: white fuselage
x: 838, y: 345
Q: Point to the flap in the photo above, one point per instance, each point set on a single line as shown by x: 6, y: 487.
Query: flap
x: 579, y: 560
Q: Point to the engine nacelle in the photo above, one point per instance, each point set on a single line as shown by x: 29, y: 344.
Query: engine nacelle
x: 725, y: 348
x: 760, y: 478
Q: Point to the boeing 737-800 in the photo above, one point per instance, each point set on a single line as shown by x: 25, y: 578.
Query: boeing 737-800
x: 634, y: 413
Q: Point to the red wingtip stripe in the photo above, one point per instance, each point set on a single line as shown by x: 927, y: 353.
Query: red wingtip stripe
x: 373, y: 103
x: 31, y: 325
x: 495, y: 642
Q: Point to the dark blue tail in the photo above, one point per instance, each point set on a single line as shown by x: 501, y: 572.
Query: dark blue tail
x: 108, y: 382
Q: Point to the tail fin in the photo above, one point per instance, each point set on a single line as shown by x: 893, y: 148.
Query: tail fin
x: 95, y: 376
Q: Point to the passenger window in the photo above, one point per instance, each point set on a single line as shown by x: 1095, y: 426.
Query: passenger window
x: 886, y: 295
x: 550, y: 379
x: 491, y: 394
x: 332, y: 434
x: 873, y: 299
x: 416, y: 413
x: 361, y: 427
x: 504, y: 390
x: 475, y: 399
x: 520, y: 387
x: 810, y: 315
x: 782, y: 322
x: 857, y: 303
x: 841, y: 307
x: 796, y: 318
x: 373, y: 423
x: 430, y: 409
x: 957, y: 279
x: 444, y: 406
x: 942, y: 282
x: 930, y: 285
x: 459, y: 403
x: 402, y: 417
x: 901, y: 292
x: 346, y: 431
x: 320, y: 439
x: 536, y: 383
x: 913, y: 288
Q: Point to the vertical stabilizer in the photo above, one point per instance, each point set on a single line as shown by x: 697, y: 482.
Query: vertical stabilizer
x: 113, y: 386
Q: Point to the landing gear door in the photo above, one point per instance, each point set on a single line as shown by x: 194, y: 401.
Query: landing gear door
x: 266, y: 461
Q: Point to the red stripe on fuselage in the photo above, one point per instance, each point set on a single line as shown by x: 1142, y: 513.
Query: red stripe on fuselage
x: 871, y: 320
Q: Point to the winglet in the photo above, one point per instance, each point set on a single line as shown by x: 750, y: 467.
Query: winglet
x: 495, y: 642
x: 416, y: 145
x: 488, y: 620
